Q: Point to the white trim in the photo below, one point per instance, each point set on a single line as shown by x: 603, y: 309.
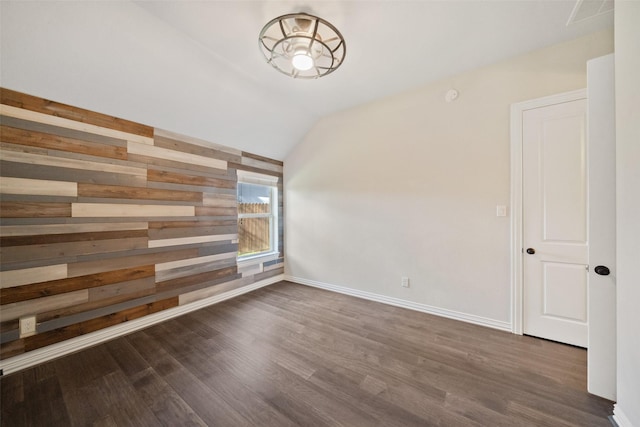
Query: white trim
x: 257, y: 259
x: 45, y: 354
x: 620, y: 418
x: 516, y: 196
x: 442, y: 312
x: 257, y: 178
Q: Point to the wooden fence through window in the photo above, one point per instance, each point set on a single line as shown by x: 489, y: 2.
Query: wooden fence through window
x: 253, y: 233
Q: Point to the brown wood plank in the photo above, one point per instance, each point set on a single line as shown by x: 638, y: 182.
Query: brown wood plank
x: 262, y: 158
x: 99, y: 266
x: 70, y: 237
x: 54, y: 142
x: 53, y: 251
x: 156, y: 161
x: 185, y: 147
x: 63, y: 132
x: 254, y: 169
x: 212, y: 211
x: 186, y: 179
x: 190, y: 224
x: 65, y: 316
x: 18, y: 170
x: 142, y: 286
x: 32, y: 103
x: 170, y: 233
x: 10, y: 349
x: 54, y: 287
x: 34, y: 210
x: 201, y: 278
x: 123, y: 192
x: 62, y: 334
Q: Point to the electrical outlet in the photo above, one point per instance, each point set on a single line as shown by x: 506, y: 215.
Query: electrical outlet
x: 27, y: 326
x: 404, y: 281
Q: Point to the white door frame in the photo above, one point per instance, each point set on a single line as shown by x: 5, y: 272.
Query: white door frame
x: 517, y: 279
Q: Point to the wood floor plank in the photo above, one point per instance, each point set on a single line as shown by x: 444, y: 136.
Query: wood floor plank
x: 294, y: 355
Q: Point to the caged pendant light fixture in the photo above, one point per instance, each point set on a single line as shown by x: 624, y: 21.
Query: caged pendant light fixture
x: 302, y: 46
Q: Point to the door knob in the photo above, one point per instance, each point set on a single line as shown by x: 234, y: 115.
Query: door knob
x: 602, y: 270
x: 531, y: 251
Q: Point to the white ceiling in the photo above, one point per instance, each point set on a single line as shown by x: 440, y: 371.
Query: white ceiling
x: 194, y: 67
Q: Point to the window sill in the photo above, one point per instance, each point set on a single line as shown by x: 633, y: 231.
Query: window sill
x: 257, y: 259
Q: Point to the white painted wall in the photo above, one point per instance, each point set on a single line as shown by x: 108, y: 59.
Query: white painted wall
x: 627, y: 42
x: 409, y: 186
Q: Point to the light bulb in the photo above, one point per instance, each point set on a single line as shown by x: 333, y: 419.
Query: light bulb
x: 302, y: 61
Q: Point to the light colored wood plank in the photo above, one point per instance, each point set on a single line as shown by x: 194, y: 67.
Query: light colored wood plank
x: 169, y: 177
x: 30, y: 307
x: 250, y: 269
x: 27, y: 276
x: 19, y: 113
x: 56, y: 142
x: 196, y: 141
x: 53, y: 173
x: 194, y: 261
x: 35, y: 230
x: 87, y: 210
x: 246, y: 161
x: 219, y: 200
x: 190, y: 240
x: 177, y: 156
x: 62, y: 162
x: 213, y: 290
x: 38, y: 187
x: 45, y: 106
x: 273, y: 266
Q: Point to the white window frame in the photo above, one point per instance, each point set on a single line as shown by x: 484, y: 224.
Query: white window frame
x: 245, y: 177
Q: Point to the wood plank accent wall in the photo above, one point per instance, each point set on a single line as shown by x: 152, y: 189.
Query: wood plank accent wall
x: 104, y: 220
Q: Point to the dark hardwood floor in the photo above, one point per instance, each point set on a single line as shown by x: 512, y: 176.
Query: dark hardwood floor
x: 290, y: 355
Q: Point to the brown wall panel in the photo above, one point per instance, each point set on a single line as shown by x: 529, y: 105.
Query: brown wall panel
x: 103, y: 221
x: 52, y: 337
x: 122, y: 192
x: 32, y: 103
x: 69, y: 237
x: 34, y: 210
x: 185, y: 147
x: 99, y: 266
x: 213, y: 211
x: 56, y: 251
x: 186, y: 179
x: 43, y: 140
x: 54, y: 287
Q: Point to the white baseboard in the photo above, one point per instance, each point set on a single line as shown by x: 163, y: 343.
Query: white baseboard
x: 456, y: 315
x: 45, y: 354
x: 620, y: 418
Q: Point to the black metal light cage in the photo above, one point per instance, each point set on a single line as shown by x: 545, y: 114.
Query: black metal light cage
x: 286, y: 35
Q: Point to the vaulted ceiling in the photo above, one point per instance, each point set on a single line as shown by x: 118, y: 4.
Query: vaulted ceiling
x: 194, y: 67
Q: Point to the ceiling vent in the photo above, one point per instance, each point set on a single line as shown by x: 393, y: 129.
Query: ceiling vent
x: 587, y: 9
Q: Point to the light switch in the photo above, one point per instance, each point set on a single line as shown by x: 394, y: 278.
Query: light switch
x: 501, y: 210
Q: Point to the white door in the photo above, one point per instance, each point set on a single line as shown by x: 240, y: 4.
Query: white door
x: 601, y: 357
x: 555, y: 222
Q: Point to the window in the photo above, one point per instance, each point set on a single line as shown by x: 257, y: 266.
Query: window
x: 257, y: 215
